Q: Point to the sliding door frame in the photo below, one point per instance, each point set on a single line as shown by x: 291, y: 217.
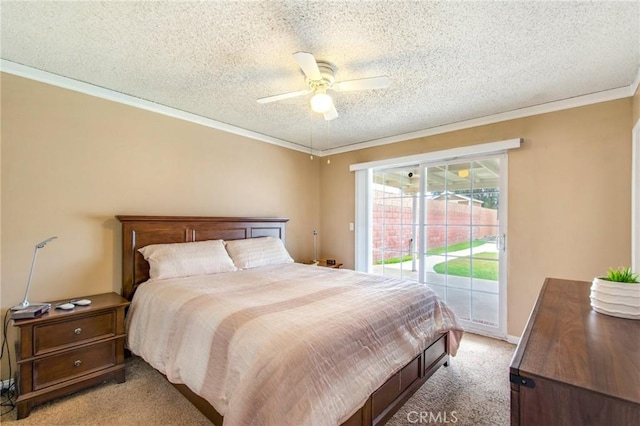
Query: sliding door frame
x: 363, y: 207
x: 635, y: 198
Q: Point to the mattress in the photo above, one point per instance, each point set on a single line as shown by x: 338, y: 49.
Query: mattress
x: 285, y: 344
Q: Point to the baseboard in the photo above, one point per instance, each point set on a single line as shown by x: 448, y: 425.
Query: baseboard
x: 513, y: 339
x: 6, y: 384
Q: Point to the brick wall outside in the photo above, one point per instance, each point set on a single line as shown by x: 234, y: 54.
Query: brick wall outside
x: 396, y: 231
x: 393, y: 217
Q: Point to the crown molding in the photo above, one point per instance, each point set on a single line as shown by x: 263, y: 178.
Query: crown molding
x: 20, y: 70
x: 578, y: 101
x: 101, y: 92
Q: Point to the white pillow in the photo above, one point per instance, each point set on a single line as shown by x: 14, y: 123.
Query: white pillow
x: 254, y: 252
x: 187, y: 259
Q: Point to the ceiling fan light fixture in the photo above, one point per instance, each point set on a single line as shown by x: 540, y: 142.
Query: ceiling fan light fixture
x: 321, y: 102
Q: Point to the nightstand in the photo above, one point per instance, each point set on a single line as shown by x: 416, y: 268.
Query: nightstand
x: 62, y: 352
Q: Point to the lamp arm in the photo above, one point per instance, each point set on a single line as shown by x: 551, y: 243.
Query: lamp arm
x: 25, y: 302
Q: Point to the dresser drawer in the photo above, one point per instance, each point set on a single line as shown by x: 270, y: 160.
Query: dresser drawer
x: 50, y: 337
x: 68, y: 365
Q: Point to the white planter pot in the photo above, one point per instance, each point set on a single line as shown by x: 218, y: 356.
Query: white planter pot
x: 615, y: 299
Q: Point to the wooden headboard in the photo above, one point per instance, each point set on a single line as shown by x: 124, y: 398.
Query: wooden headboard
x: 140, y: 231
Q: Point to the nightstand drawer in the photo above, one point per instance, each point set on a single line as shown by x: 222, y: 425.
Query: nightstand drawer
x: 57, y: 368
x: 50, y: 337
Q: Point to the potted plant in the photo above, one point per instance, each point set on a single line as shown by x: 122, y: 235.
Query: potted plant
x: 617, y: 294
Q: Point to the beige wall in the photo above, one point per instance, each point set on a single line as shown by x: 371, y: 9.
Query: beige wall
x: 70, y: 162
x: 569, y: 210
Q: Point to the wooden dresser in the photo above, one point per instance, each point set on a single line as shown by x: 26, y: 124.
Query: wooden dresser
x: 64, y: 351
x: 574, y: 366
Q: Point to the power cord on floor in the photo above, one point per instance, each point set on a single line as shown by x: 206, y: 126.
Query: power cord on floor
x: 9, y: 394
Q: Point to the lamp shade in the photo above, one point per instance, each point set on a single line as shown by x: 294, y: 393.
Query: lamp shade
x: 321, y: 102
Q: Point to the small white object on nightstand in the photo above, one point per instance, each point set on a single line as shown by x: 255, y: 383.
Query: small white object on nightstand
x: 66, y: 306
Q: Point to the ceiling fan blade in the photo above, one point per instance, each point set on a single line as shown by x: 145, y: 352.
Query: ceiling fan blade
x: 308, y: 64
x: 284, y: 96
x: 381, y: 82
x: 331, y: 114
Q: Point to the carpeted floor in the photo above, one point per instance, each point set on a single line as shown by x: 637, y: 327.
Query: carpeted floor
x: 473, y: 390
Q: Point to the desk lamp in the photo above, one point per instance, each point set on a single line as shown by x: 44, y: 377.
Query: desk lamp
x: 25, y: 303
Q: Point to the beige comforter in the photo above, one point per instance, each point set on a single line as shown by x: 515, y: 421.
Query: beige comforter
x: 287, y: 344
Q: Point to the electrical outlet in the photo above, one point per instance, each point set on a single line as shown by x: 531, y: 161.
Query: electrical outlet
x: 351, y: 226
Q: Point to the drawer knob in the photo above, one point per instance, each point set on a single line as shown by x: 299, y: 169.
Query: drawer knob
x: 77, y: 330
x: 77, y: 363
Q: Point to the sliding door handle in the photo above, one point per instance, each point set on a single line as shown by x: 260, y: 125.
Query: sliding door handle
x: 501, y: 242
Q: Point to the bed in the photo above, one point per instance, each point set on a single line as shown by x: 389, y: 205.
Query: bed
x: 356, y: 402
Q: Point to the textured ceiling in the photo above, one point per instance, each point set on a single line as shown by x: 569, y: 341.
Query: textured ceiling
x: 448, y: 61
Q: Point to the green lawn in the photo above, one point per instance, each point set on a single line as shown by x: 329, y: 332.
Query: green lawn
x: 394, y: 260
x: 437, y: 250
x: 484, y: 268
x: 455, y: 247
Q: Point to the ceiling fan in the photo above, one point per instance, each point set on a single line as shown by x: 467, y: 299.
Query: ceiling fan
x: 320, y: 78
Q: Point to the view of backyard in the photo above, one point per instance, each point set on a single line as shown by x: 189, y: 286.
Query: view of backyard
x: 439, y: 225
x: 482, y: 265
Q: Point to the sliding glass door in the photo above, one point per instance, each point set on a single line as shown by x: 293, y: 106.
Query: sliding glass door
x: 463, y: 239
x: 442, y: 225
x: 395, y: 227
